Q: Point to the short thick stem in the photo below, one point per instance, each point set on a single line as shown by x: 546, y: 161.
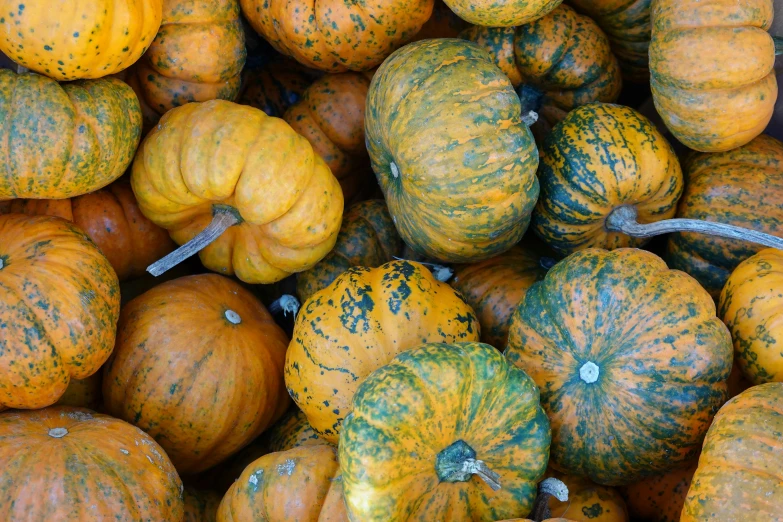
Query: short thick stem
x: 548, y: 488
x: 457, y: 463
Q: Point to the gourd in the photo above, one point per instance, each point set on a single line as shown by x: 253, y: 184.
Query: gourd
x: 200, y: 505
x: 660, y: 498
x: 276, y: 87
x: 587, y: 501
x: 501, y: 13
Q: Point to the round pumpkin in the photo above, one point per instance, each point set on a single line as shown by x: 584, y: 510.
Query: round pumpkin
x: 711, y: 70
x: 218, y: 169
x: 79, y: 39
x: 587, y: 501
x: 60, y: 141
x: 200, y: 506
x: 442, y: 24
x: 660, y: 498
x: 83, y: 393
x: 64, y: 463
x: 444, y: 432
x: 199, y: 366
x: 451, y: 153
x: 740, y: 473
x: 501, y: 13
x: 59, y: 305
x: 359, y: 323
x: 276, y: 87
x: 631, y: 361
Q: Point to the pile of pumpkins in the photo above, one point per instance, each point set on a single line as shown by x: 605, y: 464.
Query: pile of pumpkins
x: 454, y: 199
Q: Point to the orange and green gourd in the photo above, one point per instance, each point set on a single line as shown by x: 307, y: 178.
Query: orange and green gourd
x: 660, y: 498
x: 60, y: 141
x: 444, y: 432
x: 200, y: 505
x: 631, y: 360
x: 501, y: 13
x: 84, y: 393
x: 587, y: 501
x: 276, y: 87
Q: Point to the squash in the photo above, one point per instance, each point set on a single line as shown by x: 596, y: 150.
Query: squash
x: 82, y: 39
x: 711, y: 70
x: 444, y: 432
x: 200, y: 506
x: 276, y: 87
x: 337, y: 36
x: 740, y: 472
x: 631, y: 361
x: 442, y: 24
x: 751, y: 305
x: 451, y: 153
x: 501, y: 13
x: 241, y: 187
x: 587, y: 501
x: 112, y: 219
x: 61, y: 141
x: 59, y: 305
x: 171, y: 371
x: 64, y: 463
x: 83, y: 393
x: 660, y: 498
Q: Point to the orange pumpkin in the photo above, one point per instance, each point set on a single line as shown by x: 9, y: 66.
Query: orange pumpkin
x: 660, y: 498
x: 587, y: 501
x: 83, y: 393
x: 501, y: 13
x: 200, y: 506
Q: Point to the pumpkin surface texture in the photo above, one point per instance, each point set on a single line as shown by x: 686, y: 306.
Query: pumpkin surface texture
x: 631, y: 361
x: 359, y: 323
x: 660, y: 498
x: 203, y: 389
x: 450, y: 151
x: 501, y: 13
x: 587, y: 501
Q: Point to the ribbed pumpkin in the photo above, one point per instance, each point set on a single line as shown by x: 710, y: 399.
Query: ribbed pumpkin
x: 426, y: 423
x: 740, y: 472
x: 59, y: 305
x: 660, y: 498
x: 200, y: 506
x: 337, y: 36
x: 451, y: 153
x: 228, y: 172
x: 631, y: 361
x: 358, y: 324
x: 711, y: 70
x: 276, y: 87
x: 587, y: 501
x: 79, y: 38
x: 442, y: 24
x: 501, y: 13
x: 60, y: 141
x: 83, y: 393
x: 199, y: 366
x: 63, y: 463
x: 367, y: 238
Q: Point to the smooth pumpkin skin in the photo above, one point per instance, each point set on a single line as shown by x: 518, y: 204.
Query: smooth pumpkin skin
x: 83, y: 393
x: 450, y: 151
x: 600, y: 157
x: 276, y: 87
x: 78, y: 39
x: 200, y: 506
x: 501, y: 13
x: 742, y: 187
x: 64, y: 463
x: 660, y: 360
x: 59, y: 305
x: 359, y: 323
x: 220, y: 153
x: 61, y: 141
x: 203, y: 385
x: 425, y: 400
x: 739, y: 473
x: 660, y: 498
x: 711, y: 70
x: 587, y: 501
x: 334, y: 35
x: 367, y: 238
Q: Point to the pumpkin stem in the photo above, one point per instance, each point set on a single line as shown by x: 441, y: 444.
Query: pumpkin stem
x: 550, y: 487
x: 623, y: 219
x: 287, y: 304
x: 223, y: 218
x: 532, y: 99
x: 778, y: 45
x: 441, y: 272
x: 457, y: 463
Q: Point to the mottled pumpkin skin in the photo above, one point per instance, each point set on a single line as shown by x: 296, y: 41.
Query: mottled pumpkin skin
x: 83, y: 393
x: 200, y: 506
x: 442, y: 24
x: 59, y: 305
x: 203, y: 385
x: 276, y: 87
x: 711, y: 70
x: 587, y: 501
x: 451, y: 153
x: 631, y: 360
x: 219, y: 154
x: 600, y: 157
x: 501, y: 13
x: 367, y: 238
x: 64, y: 463
x: 361, y: 322
x: 334, y: 35
x: 78, y: 39
x: 660, y: 498
x: 60, y: 141
x: 406, y: 413
x: 742, y: 187
x: 739, y: 473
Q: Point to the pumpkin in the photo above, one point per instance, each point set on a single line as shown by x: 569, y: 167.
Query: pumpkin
x: 631, y: 361
x: 112, y: 219
x: 200, y: 506
x: 276, y: 87
x: 59, y: 305
x: 451, y: 153
x: 587, y: 501
x: 660, y: 498
x: 337, y: 36
x: 711, y: 70
x: 501, y: 13
x: 367, y: 238
x: 740, y: 472
x: 442, y: 24
x: 359, y: 323
x: 61, y: 141
x: 444, y: 432
x: 83, y: 393
x: 78, y: 40
x: 240, y: 186
x: 64, y: 463
x: 169, y: 374
x: 751, y: 305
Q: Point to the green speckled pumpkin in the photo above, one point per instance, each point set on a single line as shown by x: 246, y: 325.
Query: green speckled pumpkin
x: 660, y: 498
x: 501, y: 13
x: 631, y: 360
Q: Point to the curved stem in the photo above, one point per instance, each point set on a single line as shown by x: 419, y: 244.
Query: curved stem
x: 479, y: 467
x: 550, y: 487
x: 778, y: 45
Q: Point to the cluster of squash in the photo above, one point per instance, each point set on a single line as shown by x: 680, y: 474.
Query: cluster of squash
x: 426, y: 288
